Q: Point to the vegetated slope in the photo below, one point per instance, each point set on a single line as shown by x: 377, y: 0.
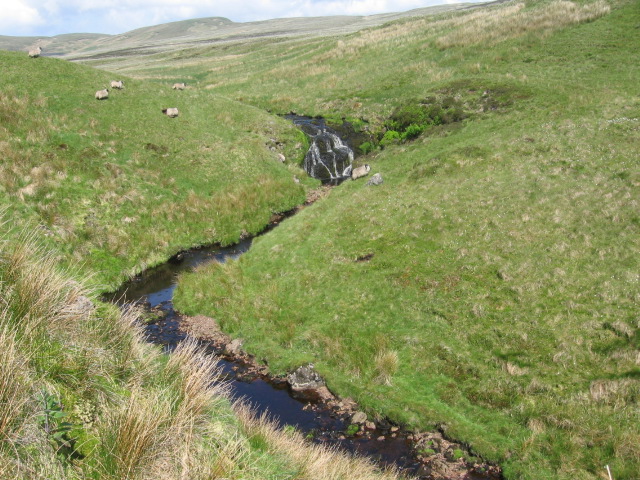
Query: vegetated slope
x: 116, y: 185
x: 85, y: 397
x: 150, y: 45
x: 490, y: 286
x: 52, y: 46
x: 187, y: 33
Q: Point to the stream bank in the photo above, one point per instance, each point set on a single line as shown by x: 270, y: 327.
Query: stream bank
x: 322, y: 417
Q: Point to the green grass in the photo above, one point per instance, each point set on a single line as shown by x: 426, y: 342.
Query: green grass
x: 488, y: 288
x: 500, y: 302
x: 118, y: 186
x: 84, y: 396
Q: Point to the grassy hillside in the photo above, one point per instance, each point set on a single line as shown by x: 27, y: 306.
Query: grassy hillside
x: 56, y: 45
x: 85, y: 397
x: 116, y: 185
x: 103, y: 188
x: 490, y: 286
x: 151, y: 45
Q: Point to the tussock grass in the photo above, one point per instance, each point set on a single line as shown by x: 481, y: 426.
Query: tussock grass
x: 133, y: 437
x: 386, y: 364
x: 87, y: 398
x: 15, y: 384
x: 510, y: 21
x: 314, y: 461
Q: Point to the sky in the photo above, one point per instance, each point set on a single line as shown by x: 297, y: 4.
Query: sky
x: 53, y: 17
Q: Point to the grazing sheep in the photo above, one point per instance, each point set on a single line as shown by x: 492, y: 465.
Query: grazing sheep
x: 35, y: 53
x: 179, y: 86
x: 170, y: 112
x: 102, y: 94
x: 119, y: 84
x: 362, y: 171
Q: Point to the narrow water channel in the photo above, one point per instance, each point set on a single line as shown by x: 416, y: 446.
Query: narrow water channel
x: 330, y: 160
x: 154, y: 291
x: 387, y: 445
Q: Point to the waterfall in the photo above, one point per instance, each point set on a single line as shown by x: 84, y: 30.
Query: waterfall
x: 328, y: 158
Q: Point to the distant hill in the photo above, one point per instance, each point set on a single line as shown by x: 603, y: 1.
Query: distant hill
x: 58, y: 45
x: 200, y: 31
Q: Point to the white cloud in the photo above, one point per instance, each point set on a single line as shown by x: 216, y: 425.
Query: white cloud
x: 19, y: 14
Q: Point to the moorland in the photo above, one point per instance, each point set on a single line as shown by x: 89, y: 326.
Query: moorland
x: 488, y: 288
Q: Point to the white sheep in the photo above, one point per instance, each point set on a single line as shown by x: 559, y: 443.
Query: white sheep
x: 35, y: 53
x: 119, y: 84
x: 170, y: 112
x: 102, y: 94
x: 179, y: 86
x: 362, y: 171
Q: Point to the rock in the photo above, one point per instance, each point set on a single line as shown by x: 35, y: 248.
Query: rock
x: 324, y: 394
x: 375, y: 180
x: 234, y: 347
x: 305, y: 378
x: 281, y: 157
x: 441, y: 469
x: 306, y: 384
x: 370, y: 425
x: 359, y: 417
x: 381, y: 438
x: 205, y: 328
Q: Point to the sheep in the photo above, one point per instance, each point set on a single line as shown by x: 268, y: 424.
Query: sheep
x: 119, y: 84
x: 362, y: 171
x: 102, y: 94
x: 170, y: 112
x: 179, y: 86
x: 35, y: 53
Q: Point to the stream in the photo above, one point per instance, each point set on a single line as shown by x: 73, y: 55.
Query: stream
x: 387, y: 444
x: 154, y: 290
x: 319, y: 421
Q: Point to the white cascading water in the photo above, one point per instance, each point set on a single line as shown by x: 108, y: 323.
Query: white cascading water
x: 328, y: 158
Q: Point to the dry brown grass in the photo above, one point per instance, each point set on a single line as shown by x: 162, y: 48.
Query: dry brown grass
x: 15, y: 383
x: 35, y: 290
x: 311, y: 461
x: 198, y: 378
x: 510, y: 21
x: 134, y: 436
x: 386, y: 365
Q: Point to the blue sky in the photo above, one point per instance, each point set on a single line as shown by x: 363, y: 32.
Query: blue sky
x: 53, y: 17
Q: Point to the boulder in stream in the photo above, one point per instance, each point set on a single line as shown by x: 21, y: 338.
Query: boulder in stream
x: 306, y: 384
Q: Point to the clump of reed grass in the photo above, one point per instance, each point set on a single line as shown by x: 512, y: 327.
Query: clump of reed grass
x: 386, y: 365
x: 133, y: 436
x: 16, y: 384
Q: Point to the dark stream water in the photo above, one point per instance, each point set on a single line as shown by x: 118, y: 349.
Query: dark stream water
x: 387, y: 445
x: 154, y: 290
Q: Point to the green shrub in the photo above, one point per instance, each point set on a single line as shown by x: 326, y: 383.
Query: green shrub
x: 390, y: 137
x: 367, y: 147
